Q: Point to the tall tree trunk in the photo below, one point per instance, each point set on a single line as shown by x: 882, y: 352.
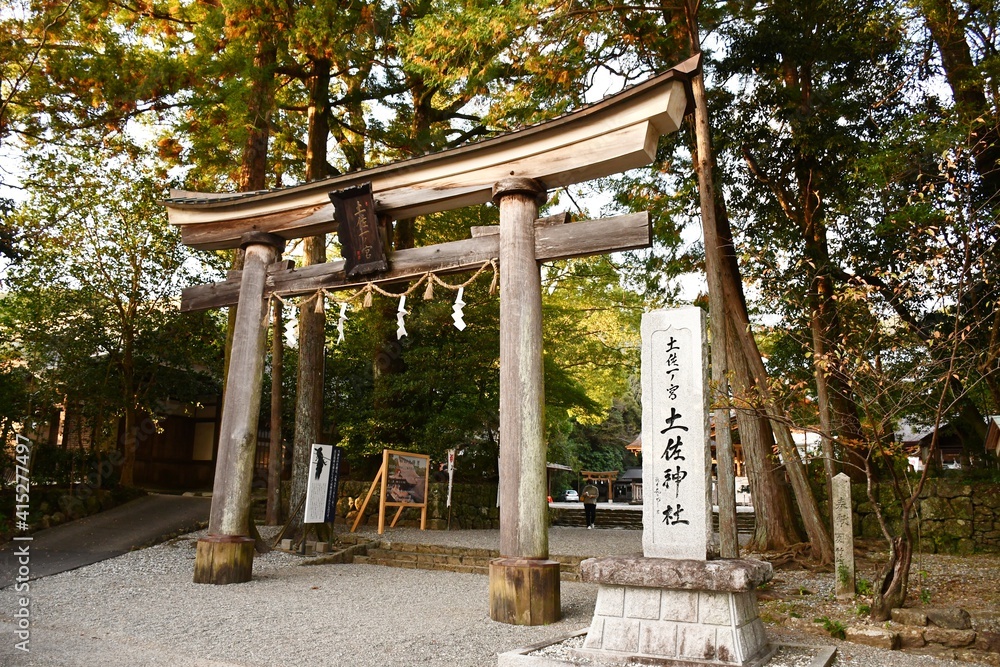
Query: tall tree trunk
x: 808, y: 213
x: 774, y: 525
x: 253, y: 166
x: 350, y: 133
x: 312, y: 315
x: 53, y: 435
x: 772, y: 506
x: 947, y: 29
x: 823, y: 401
x: 704, y: 164
x: 819, y: 537
x: 837, y: 399
x: 127, y: 474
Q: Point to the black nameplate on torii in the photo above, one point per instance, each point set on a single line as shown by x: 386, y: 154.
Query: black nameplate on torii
x: 358, y: 230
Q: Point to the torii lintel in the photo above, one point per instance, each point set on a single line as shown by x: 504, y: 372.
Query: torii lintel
x: 616, y: 134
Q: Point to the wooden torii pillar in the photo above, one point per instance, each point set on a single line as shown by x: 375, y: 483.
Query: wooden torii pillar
x: 619, y: 133
x: 225, y: 556
x: 524, y: 583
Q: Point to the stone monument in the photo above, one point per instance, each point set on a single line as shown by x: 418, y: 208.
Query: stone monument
x: 843, y: 536
x: 672, y: 605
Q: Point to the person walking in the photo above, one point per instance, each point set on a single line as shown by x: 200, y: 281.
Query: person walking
x: 589, y: 497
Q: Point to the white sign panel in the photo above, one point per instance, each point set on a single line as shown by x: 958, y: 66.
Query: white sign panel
x: 451, y: 474
x: 676, y: 454
x: 324, y: 478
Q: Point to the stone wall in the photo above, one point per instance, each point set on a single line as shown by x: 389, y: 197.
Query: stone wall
x: 472, y: 506
x: 953, y: 515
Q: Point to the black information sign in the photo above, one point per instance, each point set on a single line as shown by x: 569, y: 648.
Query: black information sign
x: 358, y: 230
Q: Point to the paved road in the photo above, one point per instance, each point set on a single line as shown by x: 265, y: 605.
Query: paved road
x: 104, y: 535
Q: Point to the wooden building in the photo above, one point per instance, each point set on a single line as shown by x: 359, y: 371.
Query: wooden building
x: 993, y: 435
x: 180, y: 452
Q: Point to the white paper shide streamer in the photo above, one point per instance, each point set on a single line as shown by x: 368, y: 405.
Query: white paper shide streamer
x: 340, y: 323
x: 401, y: 312
x: 457, y: 314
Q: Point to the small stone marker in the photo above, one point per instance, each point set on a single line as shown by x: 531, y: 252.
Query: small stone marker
x: 676, y: 461
x: 843, y: 536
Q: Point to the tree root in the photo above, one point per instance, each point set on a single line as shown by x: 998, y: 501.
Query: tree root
x: 797, y: 555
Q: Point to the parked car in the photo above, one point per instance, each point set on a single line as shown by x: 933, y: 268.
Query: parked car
x: 571, y: 496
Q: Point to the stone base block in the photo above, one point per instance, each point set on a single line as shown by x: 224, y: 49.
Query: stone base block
x: 524, y: 591
x: 676, y: 612
x: 869, y: 636
x: 223, y: 559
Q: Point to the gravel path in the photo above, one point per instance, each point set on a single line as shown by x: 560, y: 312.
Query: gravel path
x: 141, y: 609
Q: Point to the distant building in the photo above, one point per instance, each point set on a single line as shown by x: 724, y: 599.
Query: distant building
x: 176, y: 450
x: 993, y: 435
x: 181, y: 453
x: 628, y: 487
x: 916, y: 440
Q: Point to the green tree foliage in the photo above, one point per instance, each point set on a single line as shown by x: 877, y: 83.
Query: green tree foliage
x: 90, y: 310
x: 862, y: 185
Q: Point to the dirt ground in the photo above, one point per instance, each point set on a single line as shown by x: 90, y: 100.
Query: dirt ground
x: 800, y: 598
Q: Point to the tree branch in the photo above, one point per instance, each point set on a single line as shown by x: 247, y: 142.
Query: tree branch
x: 784, y: 197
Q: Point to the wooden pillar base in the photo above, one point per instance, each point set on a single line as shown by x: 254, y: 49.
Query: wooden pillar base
x: 524, y: 591
x: 223, y: 559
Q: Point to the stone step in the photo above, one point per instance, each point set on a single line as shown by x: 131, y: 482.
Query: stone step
x: 745, y: 522
x: 450, y: 559
x: 632, y: 519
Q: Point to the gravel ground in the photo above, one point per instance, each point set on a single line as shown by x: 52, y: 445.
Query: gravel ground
x: 142, y: 609
x: 796, y: 595
x: 857, y: 655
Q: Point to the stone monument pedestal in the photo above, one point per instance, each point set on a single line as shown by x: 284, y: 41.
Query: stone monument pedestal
x: 664, y: 611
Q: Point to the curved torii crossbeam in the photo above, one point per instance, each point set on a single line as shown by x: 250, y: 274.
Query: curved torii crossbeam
x: 618, y: 133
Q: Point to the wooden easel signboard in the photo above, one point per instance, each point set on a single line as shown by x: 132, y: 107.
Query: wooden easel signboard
x: 402, y: 480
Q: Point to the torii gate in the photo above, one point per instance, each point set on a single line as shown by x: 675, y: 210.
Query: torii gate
x: 618, y: 133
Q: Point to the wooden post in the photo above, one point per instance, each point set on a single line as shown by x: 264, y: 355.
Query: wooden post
x: 382, y: 489
x: 364, y: 505
x: 225, y: 556
x: 522, y: 592
x: 274, y: 462
x: 523, y: 572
